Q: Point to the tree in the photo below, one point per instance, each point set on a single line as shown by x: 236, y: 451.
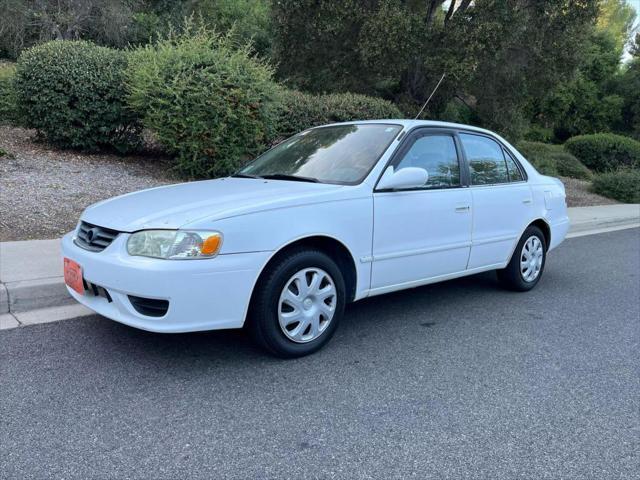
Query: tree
x: 496, y: 53
x: 616, y: 17
x: 594, y: 98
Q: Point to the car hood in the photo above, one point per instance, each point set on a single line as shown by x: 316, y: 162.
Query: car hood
x: 175, y: 206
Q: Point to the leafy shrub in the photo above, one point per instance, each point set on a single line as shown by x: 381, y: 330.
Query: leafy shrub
x: 540, y: 156
x: 553, y: 160
x: 207, y: 101
x: 72, y: 92
x: 604, y: 152
x: 300, y: 111
x: 569, y: 166
x: 622, y: 185
x: 536, y: 133
x: 344, y: 107
x: 8, y: 106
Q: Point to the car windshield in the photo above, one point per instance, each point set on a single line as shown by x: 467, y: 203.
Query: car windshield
x: 342, y: 154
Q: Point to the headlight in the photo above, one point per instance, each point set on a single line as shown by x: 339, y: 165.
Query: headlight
x: 175, y: 244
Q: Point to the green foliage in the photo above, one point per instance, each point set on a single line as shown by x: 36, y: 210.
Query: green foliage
x: 622, y: 185
x: 585, y: 103
x: 570, y: 166
x: 246, y: 20
x: 537, y: 133
x: 24, y: 23
x: 8, y: 105
x: 208, y: 101
x: 616, y: 18
x: 603, y: 152
x: 540, y: 156
x: 3, y: 152
x: 72, y: 92
x: 399, y: 49
x: 628, y: 87
x: 300, y: 111
x: 553, y: 160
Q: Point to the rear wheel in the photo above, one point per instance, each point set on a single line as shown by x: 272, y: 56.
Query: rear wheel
x: 527, y: 263
x: 298, y: 304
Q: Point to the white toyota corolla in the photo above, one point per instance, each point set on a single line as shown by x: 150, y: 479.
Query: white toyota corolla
x: 332, y: 215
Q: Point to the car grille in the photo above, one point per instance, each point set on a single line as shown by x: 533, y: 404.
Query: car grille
x: 94, y: 238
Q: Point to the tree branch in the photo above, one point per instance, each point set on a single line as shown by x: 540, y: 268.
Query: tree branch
x: 452, y: 8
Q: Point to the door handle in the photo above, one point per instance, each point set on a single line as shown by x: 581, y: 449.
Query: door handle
x: 462, y: 208
x: 527, y: 200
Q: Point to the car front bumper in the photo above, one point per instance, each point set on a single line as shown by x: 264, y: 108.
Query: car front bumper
x: 206, y: 294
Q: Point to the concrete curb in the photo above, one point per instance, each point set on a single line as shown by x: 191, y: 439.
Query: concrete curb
x: 33, y: 291
x: 34, y: 294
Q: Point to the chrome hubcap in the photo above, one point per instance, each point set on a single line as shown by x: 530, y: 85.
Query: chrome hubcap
x: 531, y: 259
x: 307, y: 305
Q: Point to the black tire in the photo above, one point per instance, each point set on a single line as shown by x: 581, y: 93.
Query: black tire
x: 511, y: 277
x: 263, y: 323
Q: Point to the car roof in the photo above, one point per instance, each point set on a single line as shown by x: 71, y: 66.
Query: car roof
x: 408, y: 124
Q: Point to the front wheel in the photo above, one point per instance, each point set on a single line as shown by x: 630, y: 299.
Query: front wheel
x: 298, y: 304
x: 527, y: 263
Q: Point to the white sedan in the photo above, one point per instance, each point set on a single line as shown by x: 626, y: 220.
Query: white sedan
x: 332, y: 215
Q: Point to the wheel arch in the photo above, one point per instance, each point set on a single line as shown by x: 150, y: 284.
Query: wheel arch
x: 546, y: 230
x: 333, y: 247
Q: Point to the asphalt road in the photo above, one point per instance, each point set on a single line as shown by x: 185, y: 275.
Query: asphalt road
x: 457, y: 380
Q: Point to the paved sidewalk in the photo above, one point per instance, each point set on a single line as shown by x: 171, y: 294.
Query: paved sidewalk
x: 32, y: 289
x: 605, y: 217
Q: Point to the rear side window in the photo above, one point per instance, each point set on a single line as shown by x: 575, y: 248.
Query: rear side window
x: 437, y: 155
x: 487, y: 164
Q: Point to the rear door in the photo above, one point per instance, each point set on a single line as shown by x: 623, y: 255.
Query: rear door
x: 502, y: 200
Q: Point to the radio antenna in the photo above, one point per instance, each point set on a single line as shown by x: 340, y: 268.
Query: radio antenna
x: 432, y: 93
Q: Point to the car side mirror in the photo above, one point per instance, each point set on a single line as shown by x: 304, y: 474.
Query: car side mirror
x: 410, y: 177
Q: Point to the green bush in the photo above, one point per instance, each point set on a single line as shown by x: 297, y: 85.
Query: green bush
x: 209, y: 102
x: 536, y: 133
x: 8, y: 106
x: 300, y: 111
x: 72, y: 92
x: 553, y: 160
x: 569, y: 166
x: 622, y: 185
x: 604, y: 152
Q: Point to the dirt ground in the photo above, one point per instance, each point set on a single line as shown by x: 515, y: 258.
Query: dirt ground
x: 43, y: 191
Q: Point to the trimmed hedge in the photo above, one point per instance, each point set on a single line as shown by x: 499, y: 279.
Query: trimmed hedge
x: 8, y: 106
x: 300, y: 111
x: 553, y: 160
x: 603, y: 152
x: 72, y: 92
x: 209, y: 102
x: 622, y: 185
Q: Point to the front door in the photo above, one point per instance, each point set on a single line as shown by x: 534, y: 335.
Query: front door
x: 426, y: 232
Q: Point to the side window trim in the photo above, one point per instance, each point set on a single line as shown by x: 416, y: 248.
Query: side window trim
x: 408, y: 141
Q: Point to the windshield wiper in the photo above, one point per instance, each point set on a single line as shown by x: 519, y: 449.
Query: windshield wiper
x: 245, y: 175
x: 295, y: 178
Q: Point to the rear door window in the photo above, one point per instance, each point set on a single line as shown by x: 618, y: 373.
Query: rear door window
x: 487, y: 164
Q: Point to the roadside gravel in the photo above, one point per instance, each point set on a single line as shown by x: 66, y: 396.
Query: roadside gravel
x: 578, y: 194
x: 43, y: 191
